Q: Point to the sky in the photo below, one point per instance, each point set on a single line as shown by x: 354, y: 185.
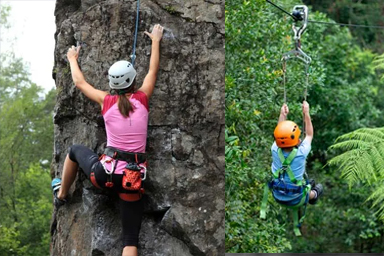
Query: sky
x: 31, y: 37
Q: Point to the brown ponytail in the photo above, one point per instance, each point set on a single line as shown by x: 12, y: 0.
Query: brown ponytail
x: 124, y: 104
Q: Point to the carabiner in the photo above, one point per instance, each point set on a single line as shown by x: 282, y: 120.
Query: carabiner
x: 143, y: 172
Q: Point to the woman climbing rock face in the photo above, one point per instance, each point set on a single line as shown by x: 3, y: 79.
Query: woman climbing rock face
x: 122, y: 167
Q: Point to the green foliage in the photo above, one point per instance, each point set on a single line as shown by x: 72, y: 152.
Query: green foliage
x: 9, y: 242
x: 342, y: 221
x: 26, y: 143
x: 4, y: 13
x: 379, y: 64
x: 361, y: 161
x: 242, y: 231
x: 34, y: 208
x: 356, y: 12
x: 344, y: 95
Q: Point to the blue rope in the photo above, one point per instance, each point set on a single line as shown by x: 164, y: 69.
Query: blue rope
x: 133, y: 56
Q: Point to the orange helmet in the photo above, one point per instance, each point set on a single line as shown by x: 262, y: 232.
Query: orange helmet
x: 287, y: 134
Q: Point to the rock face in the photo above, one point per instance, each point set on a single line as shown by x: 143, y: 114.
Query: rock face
x: 184, y: 202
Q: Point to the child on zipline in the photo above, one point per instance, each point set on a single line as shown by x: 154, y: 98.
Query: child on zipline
x: 287, y: 138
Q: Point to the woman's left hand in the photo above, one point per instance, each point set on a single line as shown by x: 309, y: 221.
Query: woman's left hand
x: 157, y: 33
x: 73, y: 52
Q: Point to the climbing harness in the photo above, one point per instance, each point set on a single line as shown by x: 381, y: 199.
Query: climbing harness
x: 133, y: 56
x: 297, y: 190
x: 135, y: 172
x: 301, y: 14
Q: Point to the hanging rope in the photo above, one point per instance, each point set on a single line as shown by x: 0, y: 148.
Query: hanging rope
x: 307, y: 70
x: 306, y: 85
x: 285, y: 91
x: 307, y: 81
x: 133, y: 56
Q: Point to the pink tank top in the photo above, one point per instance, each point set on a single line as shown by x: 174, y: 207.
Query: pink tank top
x: 128, y: 134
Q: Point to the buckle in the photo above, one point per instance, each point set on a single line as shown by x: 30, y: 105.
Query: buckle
x: 143, y: 172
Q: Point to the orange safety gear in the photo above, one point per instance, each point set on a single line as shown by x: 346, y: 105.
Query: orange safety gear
x: 287, y: 134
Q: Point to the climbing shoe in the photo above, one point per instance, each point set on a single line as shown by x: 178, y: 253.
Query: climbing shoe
x: 56, y: 185
x: 319, y: 190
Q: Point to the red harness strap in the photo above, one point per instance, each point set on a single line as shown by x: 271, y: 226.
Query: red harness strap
x: 93, y: 180
x: 132, y: 197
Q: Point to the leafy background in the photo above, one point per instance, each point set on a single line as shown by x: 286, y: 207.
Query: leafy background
x: 345, y: 97
x: 26, y: 146
x: 344, y: 94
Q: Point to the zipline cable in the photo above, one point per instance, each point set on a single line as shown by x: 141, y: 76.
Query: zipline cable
x: 326, y: 23
x: 133, y: 56
x: 281, y: 9
x: 345, y: 24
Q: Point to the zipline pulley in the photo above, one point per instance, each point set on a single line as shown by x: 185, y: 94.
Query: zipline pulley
x: 302, y: 12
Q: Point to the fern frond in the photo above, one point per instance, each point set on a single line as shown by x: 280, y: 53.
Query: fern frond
x: 365, y: 166
x: 370, y: 134
x: 350, y: 144
x: 380, y: 169
x: 343, y: 158
x: 347, y: 165
x: 379, y: 61
x: 363, y: 134
x: 378, y: 201
x: 377, y: 156
x: 363, y: 159
x: 350, y: 174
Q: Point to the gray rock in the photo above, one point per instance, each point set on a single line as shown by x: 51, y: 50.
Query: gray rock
x: 184, y: 201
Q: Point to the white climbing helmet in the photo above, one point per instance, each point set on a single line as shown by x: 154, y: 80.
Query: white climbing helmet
x: 121, y: 74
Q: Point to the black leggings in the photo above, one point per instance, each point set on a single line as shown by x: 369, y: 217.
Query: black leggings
x: 131, y: 212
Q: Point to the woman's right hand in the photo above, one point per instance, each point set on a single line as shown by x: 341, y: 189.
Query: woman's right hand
x: 157, y: 33
x: 73, y: 52
x: 284, y: 110
x: 305, y: 108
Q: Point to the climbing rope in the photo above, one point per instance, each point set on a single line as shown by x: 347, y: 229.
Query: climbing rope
x: 133, y: 56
